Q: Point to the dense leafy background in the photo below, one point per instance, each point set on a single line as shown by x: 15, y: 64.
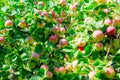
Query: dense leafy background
x: 15, y: 53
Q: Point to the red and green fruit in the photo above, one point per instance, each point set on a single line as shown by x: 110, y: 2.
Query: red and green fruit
x: 98, y: 46
x: 35, y: 56
x: 109, y: 72
x: 110, y: 30
x: 2, y: 39
x: 49, y: 74
x: 8, y: 23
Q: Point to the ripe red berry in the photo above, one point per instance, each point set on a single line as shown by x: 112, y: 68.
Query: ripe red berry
x: 8, y: 23
x: 110, y: 30
x: 53, y: 39
x: 63, y: 42
x: 98, y: 35
x: 2, y: 39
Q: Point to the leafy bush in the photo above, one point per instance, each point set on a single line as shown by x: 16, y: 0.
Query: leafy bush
x: 59, y: 40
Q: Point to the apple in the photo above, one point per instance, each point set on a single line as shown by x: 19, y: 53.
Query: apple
x: 80, y: 48
x: 22, y: 24
x: 30, y: 39
x: 55, y: 29
x: 63, y: 2
x: 117, y: 21
x: 49, y: 74
x: 63, y: 14
x: 108, y: 22
x: 68, y: 67
x: 62, y: 70
x: 62, y: 30
x: 35, y: 56
x: 80, y: 42
x: 109, y: 72
x: 98, y: 46
x: 53, y: 39
x: 44, y: 13
x: 110, y: 30
x: 56, y: 70
x: 116, y: 43
x: 41, y: 3
x: 91, y: 75
x: 88, y: 19
x: 40, y: 25
x: 63, y: 42
x: 44, y: 66
x: 2, y: 39
x: 106, y: 11
x: 59, y: 20
x: 53, y: 14
x: 98, y: 35
x: 8, y: 23
x: 73, y: 7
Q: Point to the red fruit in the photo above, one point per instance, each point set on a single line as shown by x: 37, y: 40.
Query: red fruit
x: 53, y: 14
x: 49, y: 74
x: 68, y: 67
x: 53, y: 39
x: 41, y: 3
x: 92, y: 74
x: 44, y: 66
x: 2, y: 39
x: 109, y: 72
x: 106, y: 11
x: 108, y: 22
x: 40, y: 25
x: 110, y: 30
x: 56, y: 69
x: 59, y: 20
x: 63, y: 14
x: 30, y: 39
x: 44, y: 13
x: 55, y: 29
x: 98, y: 46
x: 62, y: 30
x: 63, y: 42
x: 35, y: 56
x: 74, y: 6
x: 98, y: 35
x: 80, y: 42
x: 117, y: 21
x: 62, y: 70
x: 22, y: 24
x: 8, y: 23
x: 80, y: 48
x: 63, y: 2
